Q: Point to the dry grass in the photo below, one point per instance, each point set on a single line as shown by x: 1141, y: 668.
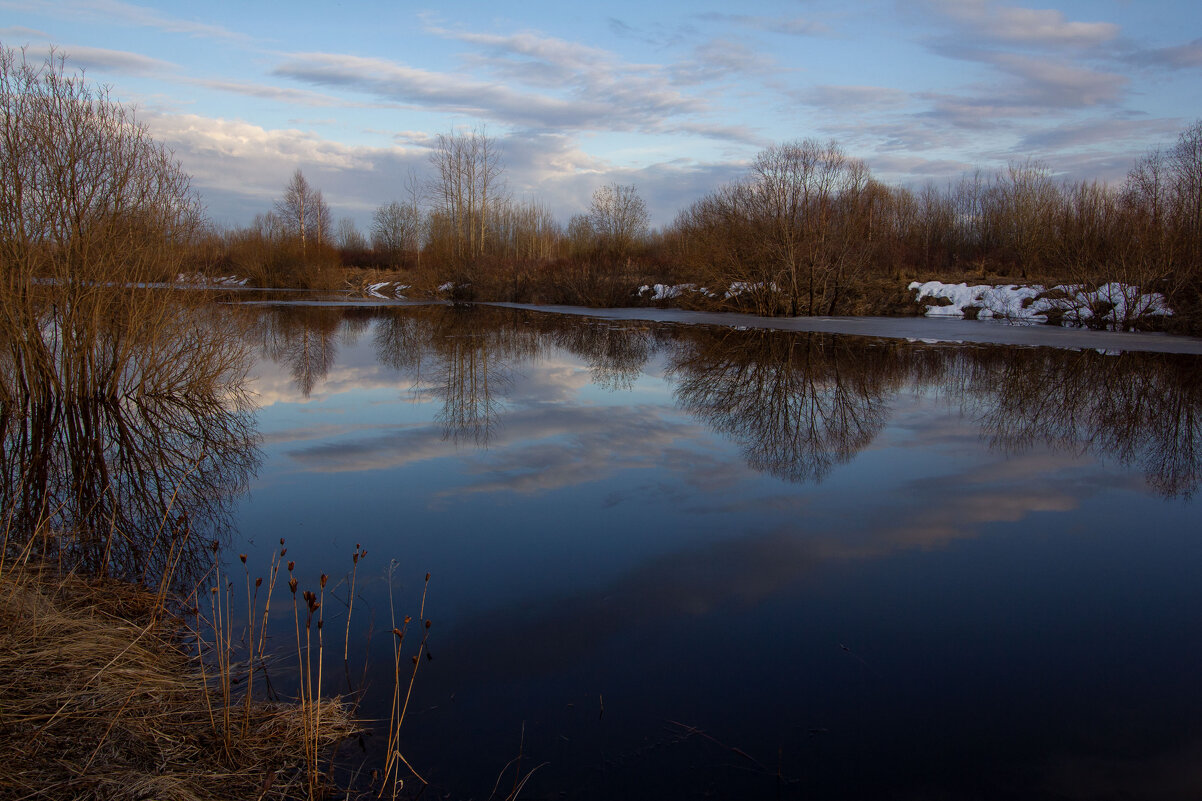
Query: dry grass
x: 101, y: 698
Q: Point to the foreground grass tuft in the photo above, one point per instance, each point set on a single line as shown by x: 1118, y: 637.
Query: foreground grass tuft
x: 100, y: 698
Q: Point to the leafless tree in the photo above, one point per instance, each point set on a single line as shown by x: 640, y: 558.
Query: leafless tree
x: 618, y: 218
x: 396, y: 230
x: 303, y: 212
x: 348, y: 236
x: 468, y: 184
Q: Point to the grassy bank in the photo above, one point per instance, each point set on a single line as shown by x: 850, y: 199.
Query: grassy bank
x: 103, y: 696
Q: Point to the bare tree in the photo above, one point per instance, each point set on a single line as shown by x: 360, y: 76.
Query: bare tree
x: 303, y: 212
x: 396, y: 230
x: 348, y: 235
x: 468, y: 184
x: 618, y: 217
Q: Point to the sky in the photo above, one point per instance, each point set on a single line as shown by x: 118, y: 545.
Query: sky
x: 674, y: 97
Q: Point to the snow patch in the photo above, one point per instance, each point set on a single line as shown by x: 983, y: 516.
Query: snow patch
x: 1114, y: 305
x: 196, y: 279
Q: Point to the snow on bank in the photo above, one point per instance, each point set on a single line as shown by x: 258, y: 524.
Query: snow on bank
x: 1112, y: 305
x: 387, y: 290
x: 669, y: 291
x: 196, y: 279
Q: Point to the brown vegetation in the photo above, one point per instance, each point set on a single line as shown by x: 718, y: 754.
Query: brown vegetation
x: 124, y: 437
x: 100, y: 699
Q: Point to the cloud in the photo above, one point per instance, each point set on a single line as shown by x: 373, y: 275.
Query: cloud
x: 1186, y: 56
x: 789, y: 26
x: 95, y: 58
x: 20, y: 33
x: 276, y: 93
x: 110, y: 11
x: 852, y: 98
x: 719, y: 59
x: 1107, y: 132
x: 985, y: 21
x: 596, y: 99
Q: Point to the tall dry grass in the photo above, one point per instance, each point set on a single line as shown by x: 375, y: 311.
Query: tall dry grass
x: 101, y: 698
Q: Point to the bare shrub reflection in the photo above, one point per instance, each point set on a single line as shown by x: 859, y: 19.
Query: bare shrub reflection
x: 1142, y: 409
x: 799, y: 404
x: 125, y: 430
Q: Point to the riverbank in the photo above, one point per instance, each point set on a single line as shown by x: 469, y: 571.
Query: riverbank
x: 102, y: 695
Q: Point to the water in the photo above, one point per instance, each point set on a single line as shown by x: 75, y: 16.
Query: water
x: 690, y: 561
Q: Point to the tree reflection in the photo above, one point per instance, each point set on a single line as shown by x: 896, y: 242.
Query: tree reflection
x: 799, y: 404
x: 615, y: 352
x: 123, y: 450
x: 1142, y: 409
x: 304, y: 338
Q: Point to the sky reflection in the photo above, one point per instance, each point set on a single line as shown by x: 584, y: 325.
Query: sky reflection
x: 877, y: 563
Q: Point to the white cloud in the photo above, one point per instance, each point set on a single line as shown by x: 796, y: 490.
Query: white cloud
x: 1030, y: 27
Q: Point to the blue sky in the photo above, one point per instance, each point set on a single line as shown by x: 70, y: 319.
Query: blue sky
x: 674, y: 97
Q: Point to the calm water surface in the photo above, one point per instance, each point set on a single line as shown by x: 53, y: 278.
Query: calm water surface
x: 674, y: 561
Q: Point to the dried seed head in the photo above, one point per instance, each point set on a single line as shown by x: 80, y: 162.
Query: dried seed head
x: 398, y: 632
x: 427, y: 577
x: 282, y: 552
x: 291, y: 565
x: 281, y: 540
x: 319, y: 622
x: 407, y: 619
x: 292, y: 585
x: 324, y: 578
x: 214, y: 545
x: 258, y: 583
x: 242, y: 556
x: 355, y: 557
x: 415, y: 659
x: 427, y: 624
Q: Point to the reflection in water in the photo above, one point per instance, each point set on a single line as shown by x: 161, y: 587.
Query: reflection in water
x: 302, y: 337
x: 799, y: 404
x: 1141, y: 408
x: 126, y: 438
x: 614, y: 353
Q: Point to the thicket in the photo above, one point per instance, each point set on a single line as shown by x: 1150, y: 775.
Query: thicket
x: 807, y: 230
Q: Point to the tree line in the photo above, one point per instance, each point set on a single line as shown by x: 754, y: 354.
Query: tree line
x: 806, y: 229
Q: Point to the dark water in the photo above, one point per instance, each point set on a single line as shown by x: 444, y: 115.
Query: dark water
x: 683, y: 561
x: 667, y: 561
